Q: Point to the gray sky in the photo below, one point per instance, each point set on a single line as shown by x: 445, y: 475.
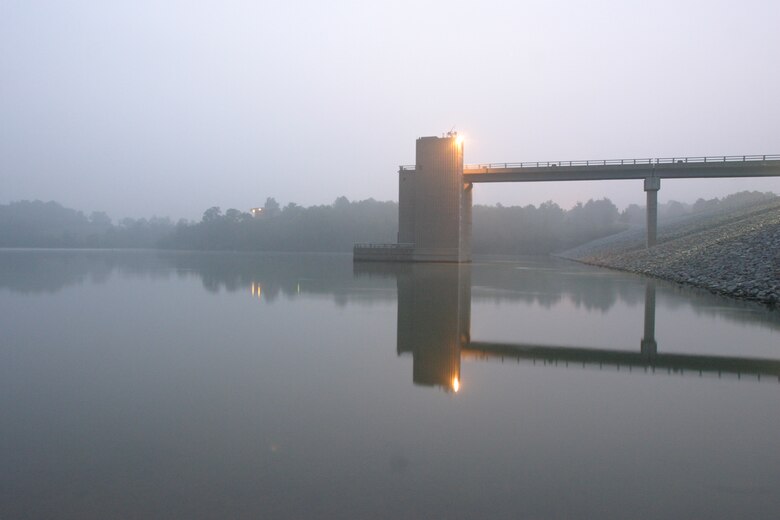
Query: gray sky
x: 147, y: 107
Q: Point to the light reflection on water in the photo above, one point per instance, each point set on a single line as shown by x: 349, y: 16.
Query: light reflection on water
x: 160, y: 385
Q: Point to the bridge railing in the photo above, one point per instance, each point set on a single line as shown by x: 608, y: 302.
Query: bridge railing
x: 401, y: 245
x: 618, y: 162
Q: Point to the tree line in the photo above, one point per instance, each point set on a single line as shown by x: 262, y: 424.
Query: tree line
x: 530, y: 229
x: 329, y: 228
x: 49, y: 224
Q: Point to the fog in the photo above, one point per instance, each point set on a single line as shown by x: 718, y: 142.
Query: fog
x: 147, y: 108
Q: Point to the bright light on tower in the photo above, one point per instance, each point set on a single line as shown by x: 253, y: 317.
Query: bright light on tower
x: 459, y: 140
x: 455, y: 385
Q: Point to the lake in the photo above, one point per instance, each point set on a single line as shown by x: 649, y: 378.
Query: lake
x: 141, y: 384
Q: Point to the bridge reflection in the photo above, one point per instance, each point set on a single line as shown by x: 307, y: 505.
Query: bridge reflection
x: 434, y: 324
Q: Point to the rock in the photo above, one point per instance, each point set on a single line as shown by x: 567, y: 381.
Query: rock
x: 736, y: 253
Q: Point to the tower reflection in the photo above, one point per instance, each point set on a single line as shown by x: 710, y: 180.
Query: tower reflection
x: 434, y: 320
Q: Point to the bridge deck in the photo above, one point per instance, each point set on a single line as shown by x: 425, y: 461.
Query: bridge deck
x: 620, y: 169
x: 668, y: 168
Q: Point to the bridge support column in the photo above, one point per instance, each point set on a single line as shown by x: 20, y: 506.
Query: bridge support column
x: 652, y: 185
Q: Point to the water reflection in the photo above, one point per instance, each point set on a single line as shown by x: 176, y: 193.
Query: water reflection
x: 434, y: 326
x: 137, y: 383
x: 542, y: 282
x: 649, y: 347
x: 434, y: 301
x: 434, y: 321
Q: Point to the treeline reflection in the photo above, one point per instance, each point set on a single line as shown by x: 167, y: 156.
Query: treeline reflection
x: 293, y: 275
x: 542, y: 282
x: 433, y: 301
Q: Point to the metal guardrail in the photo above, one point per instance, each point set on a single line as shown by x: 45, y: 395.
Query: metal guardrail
x: 615, y: 162
x: 626, y: 162
x: 384, y: 246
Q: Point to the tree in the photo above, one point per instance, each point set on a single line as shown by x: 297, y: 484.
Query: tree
x: 99, y: 218
x: 341, y: 203
x: 673, y: 209
x: 633, y: 215
x: 271, y: 208
x: 212, y: 214
x: 233, y: 215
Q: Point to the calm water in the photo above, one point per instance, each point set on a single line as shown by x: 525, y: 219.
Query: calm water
x: 149, y: 385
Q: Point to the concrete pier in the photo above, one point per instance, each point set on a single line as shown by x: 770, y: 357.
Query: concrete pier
x: 652, y: 185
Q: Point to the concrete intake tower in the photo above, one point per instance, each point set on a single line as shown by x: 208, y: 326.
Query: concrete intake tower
x: 434, y: 208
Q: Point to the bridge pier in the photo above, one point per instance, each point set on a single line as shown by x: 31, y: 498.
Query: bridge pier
x: 652, y: 185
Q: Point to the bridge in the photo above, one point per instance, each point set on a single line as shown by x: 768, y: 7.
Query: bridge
x: 435, y: 194
x: 623, y: 169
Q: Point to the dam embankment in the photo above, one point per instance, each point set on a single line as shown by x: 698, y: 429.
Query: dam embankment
x: 734, y: 253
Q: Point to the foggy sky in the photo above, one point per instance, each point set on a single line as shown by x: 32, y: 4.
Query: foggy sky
x: 144, y: 107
